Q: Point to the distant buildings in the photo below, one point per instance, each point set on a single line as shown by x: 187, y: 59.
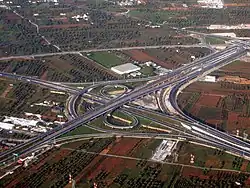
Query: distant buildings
x: 228, y: 27
x: 4, y: 6
x: 32, y: 123
x: 20, y: 121
x: 79, y: 17
x: 131, y: 2
x: 53, y: 1
x: 134, y: 71
x: 45, y: 1
x: 29, y: 125
x: 215, y: 4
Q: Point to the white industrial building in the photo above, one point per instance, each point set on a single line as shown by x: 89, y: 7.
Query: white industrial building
x: 163, y: 150
x: 6, y: 126
x: 125, y: 68
x: 20, y: 121
x: 208, y: 79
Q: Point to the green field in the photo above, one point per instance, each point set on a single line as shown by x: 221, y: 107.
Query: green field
x: 147, y: 71
x: 109, y: 90
x: 122, y: 115
x: 147, y: 151
x: 3, y: 86
x: 191, y: 101
x: 213, y: 40
x: 106, y: 59
x: 79, y: 131
x: 209, y: 157
x: 160, y: 118
x: 209, y: 113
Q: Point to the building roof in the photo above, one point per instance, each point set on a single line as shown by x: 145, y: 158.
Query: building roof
x: 125, y: 68
x: 6, y: 126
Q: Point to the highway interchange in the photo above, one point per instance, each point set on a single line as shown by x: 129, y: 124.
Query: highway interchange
x: 191, y: 129
x: 198, y: 131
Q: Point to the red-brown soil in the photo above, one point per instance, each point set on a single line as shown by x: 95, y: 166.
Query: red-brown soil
x: 127, y: 144
x: 209, y: 100
x: 7, y: 90
x: 141, y: 56
x: 244, y: 166
x: 113, y: 165
x: 63, y: 26
x: 44, y: 75
x: 195, y: 109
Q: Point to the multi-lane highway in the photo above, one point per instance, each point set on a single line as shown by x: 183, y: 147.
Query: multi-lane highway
x: 182, y: 74
x: 185, y: 128
x: 44, y: 83
x: 231, y: 142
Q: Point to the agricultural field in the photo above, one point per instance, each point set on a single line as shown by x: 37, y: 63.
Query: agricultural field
x: 210, y: 158
x: 79, y: 41
x: 48, y: 28
x: 30, y: 109
x: 19, y: 37
x: 106, y: 59
x: 112, y: 35
x: 169, y: 58
x: 153, y: 15
x: 212, y: 40
x: 238, y: 32
x: 192, y: 16
x: 103, y: 28
x: 16, y: 98
x: 223, y: 104
x: 102, y: 161
x: 63, y: 68
x: 103, y: 24
x: 177, y: 15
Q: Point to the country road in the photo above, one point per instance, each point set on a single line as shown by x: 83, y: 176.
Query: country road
x: 104, y: 49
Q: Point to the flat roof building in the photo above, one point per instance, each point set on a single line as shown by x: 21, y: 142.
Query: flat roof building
x: 7, y: 126
x: 208, y: 79
x: 125, y: 68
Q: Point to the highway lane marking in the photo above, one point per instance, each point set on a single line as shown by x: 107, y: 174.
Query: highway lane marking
x: 111, y: 105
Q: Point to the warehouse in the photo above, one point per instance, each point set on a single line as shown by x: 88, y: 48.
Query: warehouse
x: 7, y: 126
x: 208, y: 79
x: 125, y: 68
